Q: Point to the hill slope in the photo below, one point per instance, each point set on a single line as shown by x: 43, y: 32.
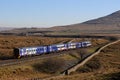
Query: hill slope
x: 104, y: 66
x: 106, y: 24
x: 109, y: 24
x: 5, y: 28
x: 113, y: 18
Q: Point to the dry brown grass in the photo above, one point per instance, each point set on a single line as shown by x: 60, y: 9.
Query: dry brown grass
x: 19, y: 72
x: 8, y: 43
x: 26, y: 70
x: 105, y: 66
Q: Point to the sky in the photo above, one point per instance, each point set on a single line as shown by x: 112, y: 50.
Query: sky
x: 48, y: 13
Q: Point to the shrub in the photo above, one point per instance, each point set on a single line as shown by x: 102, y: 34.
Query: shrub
x: 92, y: 65
x: 82, y: 53
x: 112, y: 38
x: 111, y: 76
x: 51, y: 65
x: 84, y: 69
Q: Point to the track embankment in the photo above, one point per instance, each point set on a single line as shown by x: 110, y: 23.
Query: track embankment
x: 81, y: 63
x: 23, y: 60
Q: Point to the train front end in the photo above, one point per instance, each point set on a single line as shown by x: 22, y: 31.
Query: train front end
x: 17, y: 53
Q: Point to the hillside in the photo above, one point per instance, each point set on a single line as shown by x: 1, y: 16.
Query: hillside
x: 105, y: 66
x: 34, y: 68
x: 112, y: 19
x: 5, y: 28
x: 106, y: 24
x: 109, y: 24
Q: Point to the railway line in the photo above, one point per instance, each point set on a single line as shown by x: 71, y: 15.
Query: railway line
x: 74, y: 68
x: 23, y: 60
x: 40, y: 57
x: 87, y: 58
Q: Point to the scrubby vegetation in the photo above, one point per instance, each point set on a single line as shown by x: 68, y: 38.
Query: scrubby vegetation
x: 107, y: 63
x: 8, y: 43
x: 19, y: 72
x: 41, y: 68
x: 105, y: 66
x: 51, y: 65
x: 92, y: 65
x: 111, y: 76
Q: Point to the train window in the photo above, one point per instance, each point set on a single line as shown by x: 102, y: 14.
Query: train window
x: 84, y: 44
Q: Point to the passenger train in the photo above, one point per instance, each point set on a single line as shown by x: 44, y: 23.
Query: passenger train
x: 28, y: 51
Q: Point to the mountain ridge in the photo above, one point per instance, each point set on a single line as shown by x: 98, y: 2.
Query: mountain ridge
x: 113, y: 18
x: 109, y: 24
x: 106, y: 24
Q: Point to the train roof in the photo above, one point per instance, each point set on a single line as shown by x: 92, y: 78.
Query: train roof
x: 49, y: 45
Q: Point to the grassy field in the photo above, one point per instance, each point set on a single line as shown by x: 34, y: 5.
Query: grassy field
x: 34, y: 69
x: 105, y: 66
x: 8, y: 43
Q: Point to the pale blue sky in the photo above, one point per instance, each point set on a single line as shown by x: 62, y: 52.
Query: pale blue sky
x: 48, y: 13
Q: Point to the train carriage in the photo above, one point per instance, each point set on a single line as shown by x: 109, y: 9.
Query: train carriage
x: 62, y: 47
x: 79, y: 45
x: 71, y: 45
x: 41, y: 50
x: 52, y: 48
x: 86, y: 43
x: 26, y: 51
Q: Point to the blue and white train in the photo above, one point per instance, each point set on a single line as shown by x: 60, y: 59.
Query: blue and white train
x: 28, y: 51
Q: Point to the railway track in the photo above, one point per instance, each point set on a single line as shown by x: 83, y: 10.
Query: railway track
x: 80, y: 64
x: 22, y: 60
x: 88, y: 57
